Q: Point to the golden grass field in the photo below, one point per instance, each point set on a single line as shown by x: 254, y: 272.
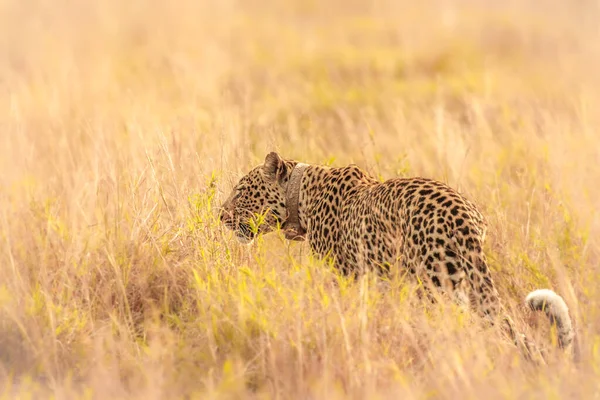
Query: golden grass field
x: 123, y: 126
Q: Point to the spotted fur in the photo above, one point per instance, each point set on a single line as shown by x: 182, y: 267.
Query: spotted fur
x: 420, y: 225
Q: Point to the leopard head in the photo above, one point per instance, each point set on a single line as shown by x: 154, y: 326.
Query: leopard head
x: 256, y: 205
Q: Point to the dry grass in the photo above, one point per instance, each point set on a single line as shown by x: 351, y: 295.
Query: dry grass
x: 124, y: 124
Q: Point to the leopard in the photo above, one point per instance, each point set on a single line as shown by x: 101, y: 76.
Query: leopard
x: 419, y: 225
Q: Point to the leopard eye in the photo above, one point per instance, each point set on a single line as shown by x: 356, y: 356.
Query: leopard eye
x: 238, y: 191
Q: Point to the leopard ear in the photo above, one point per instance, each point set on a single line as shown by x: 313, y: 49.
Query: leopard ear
x: 274, y: 166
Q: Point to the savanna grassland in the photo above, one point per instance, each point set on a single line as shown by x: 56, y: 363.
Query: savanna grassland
x: 123, y: 126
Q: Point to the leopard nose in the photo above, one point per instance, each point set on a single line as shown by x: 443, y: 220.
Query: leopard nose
x: 223, y: 215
